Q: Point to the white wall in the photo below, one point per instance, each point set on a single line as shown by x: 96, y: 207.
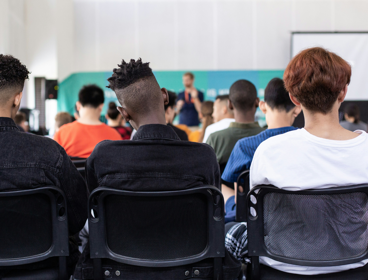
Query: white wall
x: 55, y: 38
x: 203, y: 35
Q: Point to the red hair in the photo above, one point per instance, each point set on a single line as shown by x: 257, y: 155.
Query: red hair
x: 316, y: 77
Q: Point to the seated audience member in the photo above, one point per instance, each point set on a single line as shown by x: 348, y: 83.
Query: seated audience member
x: 222, y: 116
x: 244, y: 102
x: 280, y: 115
x: 156, y: 151
x: 185, y: 128
x: 61, y: 119
x: 189, y: 102
x: 20, y: 120
x: 321, y: 155
x: 80, y: 137
x: 352, y: 119
x: 116, y: 121
x: 206, y: 119
x: 28, y: 161
x: 170, y: 113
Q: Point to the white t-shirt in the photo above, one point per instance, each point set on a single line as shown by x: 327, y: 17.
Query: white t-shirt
x: 298, y: 160
x: 220, y: 125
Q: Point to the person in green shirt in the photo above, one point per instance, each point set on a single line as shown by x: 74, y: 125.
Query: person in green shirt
x: 244, y: 102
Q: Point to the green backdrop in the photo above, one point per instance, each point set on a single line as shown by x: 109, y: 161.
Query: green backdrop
x: 212, y: 83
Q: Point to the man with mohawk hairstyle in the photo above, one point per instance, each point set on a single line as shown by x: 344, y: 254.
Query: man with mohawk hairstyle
x: 155, y: 160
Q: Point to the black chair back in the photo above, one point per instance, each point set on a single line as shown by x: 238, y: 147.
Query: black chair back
x: 157, y: 229
x: 320, y: 227
x: 79, y: 162
x: 34, y: 227
x: 241, y: 196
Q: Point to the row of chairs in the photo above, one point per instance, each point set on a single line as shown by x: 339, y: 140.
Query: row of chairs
x: 146, y: 229
x: 311, y: 228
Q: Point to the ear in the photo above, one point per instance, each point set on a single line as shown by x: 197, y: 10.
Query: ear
x: 342, y: 94
x: 165, y: 95
x: 231, y: 106
x: 256, y: 103
x: 100, y: 107
x: 294, y: 100
x: 262, y: 106
x: 124, y: 113
x: 79, y: 105
x: 17, y: 99
x: 107, y: 117
x: 297, y: 110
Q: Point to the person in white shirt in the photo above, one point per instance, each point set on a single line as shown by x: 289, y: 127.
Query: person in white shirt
x: 222, y: 116
x: 321, y: 155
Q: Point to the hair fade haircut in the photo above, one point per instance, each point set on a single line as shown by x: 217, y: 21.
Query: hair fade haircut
x: 12, y: 76
x: 277, y: 97
x: 316, y: 77
x: 129, y: 73
x: 91, y: 95
x: 243, y: 95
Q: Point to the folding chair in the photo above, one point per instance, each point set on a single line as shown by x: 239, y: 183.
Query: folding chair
x: 157, y: 229
x: 34, y: 227
x: 314, y: 228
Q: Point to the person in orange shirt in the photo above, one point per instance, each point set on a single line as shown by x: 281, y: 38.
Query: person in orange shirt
x: 80, y: 137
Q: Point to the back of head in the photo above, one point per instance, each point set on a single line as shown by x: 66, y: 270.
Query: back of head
x: 172, y: 100
x: 112, y: 112
x: 206, y: 111
x: 277, y: 97
x: 62, y: 118
x: 243, y: 95
x: 12, y: 77
x: 19, y: 118
x: 315, y: 77
x: 353, y: 111
x: 136, y: 88
x: 91, y: 96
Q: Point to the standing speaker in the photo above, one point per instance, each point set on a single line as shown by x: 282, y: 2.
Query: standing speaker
x: 51, y: 89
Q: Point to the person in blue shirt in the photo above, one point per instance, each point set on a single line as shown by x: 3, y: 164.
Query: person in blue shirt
x: 280, y: 115
x: 189, y: 102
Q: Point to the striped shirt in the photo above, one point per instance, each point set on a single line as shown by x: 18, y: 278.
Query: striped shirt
x: 242, y: 155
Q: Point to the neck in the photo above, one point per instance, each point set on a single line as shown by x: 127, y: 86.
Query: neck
x: 244, y: 117
x: 151, y: 119
x: 89, y: 116
x: 111, y: 122
x: 276, y: 119
x: 5, y: 114
x: 326, y: 126
x: 8, y: 111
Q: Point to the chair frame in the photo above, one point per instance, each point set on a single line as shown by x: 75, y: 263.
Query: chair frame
x: 256, y: 245
x: 216, y: 231
x: 241, y: 197
x: 60, y: 233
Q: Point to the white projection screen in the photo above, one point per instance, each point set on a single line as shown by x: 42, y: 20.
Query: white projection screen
x: 353, y: 47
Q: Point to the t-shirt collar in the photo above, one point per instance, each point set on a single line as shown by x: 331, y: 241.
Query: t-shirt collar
x: 244, y: 125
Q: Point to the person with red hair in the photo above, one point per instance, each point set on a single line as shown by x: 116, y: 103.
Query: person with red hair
x: 321, y: 155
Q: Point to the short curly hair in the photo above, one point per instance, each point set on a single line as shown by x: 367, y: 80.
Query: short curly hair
x: 129, y: 73
x: 316, y: 77
x: 12, y: 76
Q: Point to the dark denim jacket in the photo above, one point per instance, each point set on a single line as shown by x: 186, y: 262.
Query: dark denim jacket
x: 28, y: 161
x: 156, y: 159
